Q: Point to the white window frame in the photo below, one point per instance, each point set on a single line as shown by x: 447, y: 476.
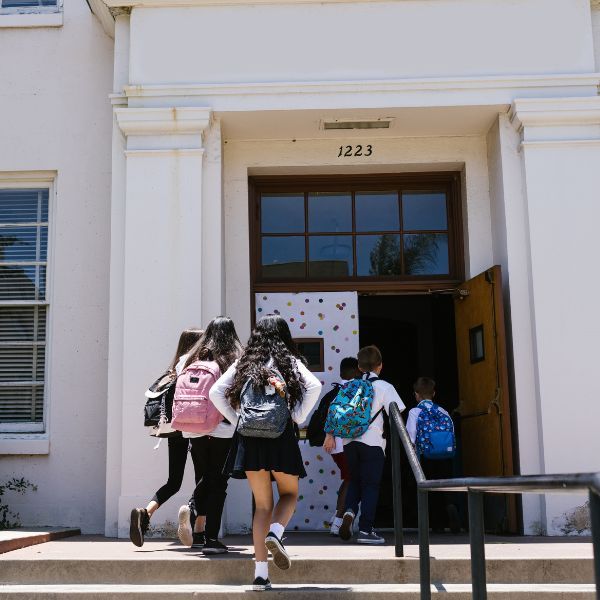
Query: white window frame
x: 31, y: 16
x: 40, y: 180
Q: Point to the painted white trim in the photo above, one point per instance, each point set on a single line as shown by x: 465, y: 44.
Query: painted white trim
x: 200, y: 3
x: 24, y: 179
x: 559, y: 143
x: 366, y: 86
x: 28, y: 20
x: 24, y: 444
x: 162, y: 121
x: 552, y: 112
x: 167, y: 152
x: 103, y: 14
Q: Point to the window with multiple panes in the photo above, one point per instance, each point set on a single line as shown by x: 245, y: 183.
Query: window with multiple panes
x: 357, y: 230
x: 23, y: 307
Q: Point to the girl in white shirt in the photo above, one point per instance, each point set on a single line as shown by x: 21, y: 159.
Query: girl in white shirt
x: 259, y: 459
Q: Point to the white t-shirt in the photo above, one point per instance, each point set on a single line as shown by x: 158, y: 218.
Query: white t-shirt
x: 411, y: 422
x: 384, y: 394
x: 312, y: 390
x: 222, y: 430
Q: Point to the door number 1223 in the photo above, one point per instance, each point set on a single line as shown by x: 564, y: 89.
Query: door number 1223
x: 357, y: 150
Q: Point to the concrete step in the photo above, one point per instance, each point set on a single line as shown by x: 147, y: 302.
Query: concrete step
x: 237, y: 571
x: 293, y: 592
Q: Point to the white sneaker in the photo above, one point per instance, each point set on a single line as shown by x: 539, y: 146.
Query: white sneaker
x: 184, y: 529
x: 334, y: 529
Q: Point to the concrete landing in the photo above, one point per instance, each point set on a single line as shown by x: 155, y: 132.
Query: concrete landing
x: 293, y: 592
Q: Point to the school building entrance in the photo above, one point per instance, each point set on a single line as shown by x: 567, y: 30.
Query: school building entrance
x: 378, y: 259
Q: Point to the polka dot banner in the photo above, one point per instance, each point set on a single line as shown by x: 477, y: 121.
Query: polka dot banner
x: 331, y: 316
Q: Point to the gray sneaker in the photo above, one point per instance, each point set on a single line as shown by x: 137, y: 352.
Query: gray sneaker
x: 369, y: 538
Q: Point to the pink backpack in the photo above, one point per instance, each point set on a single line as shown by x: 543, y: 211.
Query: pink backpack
x: 193, y: 411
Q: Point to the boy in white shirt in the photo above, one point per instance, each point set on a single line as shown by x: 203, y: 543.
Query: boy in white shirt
x: 366, y: 454
x: 442, y: 511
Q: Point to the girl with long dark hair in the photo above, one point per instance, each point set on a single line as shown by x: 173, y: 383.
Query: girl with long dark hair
x: 220, y: 343
x: 258, y: 458
x: 178, y: 449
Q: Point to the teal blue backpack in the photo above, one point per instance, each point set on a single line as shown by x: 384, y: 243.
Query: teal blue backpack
x: 349, y: 414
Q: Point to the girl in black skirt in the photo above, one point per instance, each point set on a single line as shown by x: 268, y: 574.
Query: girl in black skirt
x: 260, y: 458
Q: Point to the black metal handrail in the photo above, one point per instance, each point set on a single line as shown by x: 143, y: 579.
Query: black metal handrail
x: 475, y: 487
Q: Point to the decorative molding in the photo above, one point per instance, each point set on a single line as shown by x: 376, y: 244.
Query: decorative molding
x: 163, y: 121
x: 555, y: 112
x: 118, y: 99
x: 365, y: 86
x: 559, y: 143
x: 166, y: 152
x: 172, y: 3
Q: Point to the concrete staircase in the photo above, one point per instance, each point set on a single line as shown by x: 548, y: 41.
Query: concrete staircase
x: 98, y: 569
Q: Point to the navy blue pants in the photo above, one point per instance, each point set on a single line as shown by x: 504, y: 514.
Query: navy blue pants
x: 366, y: 468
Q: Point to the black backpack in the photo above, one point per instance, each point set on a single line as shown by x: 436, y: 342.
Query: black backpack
x: 315, y: 432
x: 159, y: 402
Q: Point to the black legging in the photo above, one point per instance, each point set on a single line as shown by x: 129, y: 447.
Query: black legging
x: 209, y: 454
x: 178, y: 450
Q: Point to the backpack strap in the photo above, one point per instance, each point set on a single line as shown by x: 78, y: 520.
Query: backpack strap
x: 372, y: 379
x: 376, y: 415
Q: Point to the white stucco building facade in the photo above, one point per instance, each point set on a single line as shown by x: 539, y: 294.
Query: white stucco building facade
x: 150, y: 229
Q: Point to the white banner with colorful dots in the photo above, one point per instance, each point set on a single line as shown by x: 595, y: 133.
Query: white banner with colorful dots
x: 333, y: 317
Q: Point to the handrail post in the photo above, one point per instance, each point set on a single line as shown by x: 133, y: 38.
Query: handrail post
x: 424, y: 564
x: 477, y: 539
x: 397, y: 491
x: 595, y: 519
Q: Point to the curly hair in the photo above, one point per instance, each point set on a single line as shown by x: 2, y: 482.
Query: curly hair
x: 270, y: 339
x: 220, y: 343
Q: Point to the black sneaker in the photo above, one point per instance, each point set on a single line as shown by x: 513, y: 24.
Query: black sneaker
x: 214, y: 547
x: 345, y: 532
x: 281, y: 558
x: 138, y: 526
x: 261, y: 585
x: 199, y: 540
x: 369, y: 537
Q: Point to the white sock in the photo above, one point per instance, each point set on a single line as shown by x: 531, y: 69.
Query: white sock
x: 277, y: 529
x: 337, y: 521
x: 261, y: 569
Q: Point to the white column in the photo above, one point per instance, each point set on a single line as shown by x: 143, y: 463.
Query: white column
x: 162, y: 264
x: 561, y: 159
x: 117, y: 240
x: 512, y: 251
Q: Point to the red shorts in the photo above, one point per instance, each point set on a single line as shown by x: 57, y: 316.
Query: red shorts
x: 342, y: 465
